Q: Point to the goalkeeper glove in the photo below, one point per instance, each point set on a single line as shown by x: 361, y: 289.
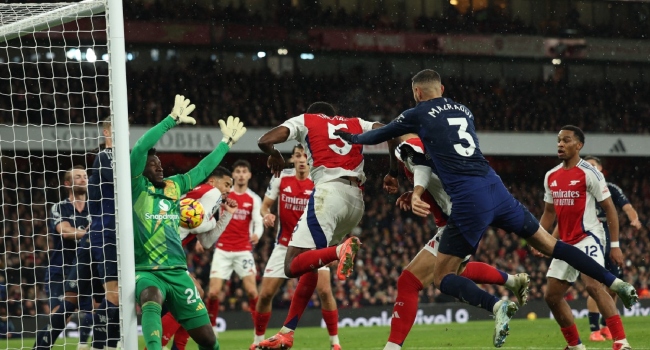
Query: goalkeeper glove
x: 232, y: 130
x: 182, y: 108
x: 345, y: 136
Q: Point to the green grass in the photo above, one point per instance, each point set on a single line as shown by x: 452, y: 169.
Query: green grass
x: 538, y: 334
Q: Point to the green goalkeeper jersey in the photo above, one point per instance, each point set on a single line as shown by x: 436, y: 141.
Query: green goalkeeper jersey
x: 156, y: 213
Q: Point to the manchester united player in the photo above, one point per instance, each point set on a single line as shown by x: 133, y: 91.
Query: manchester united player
x: 334, y: 208
x: 234, y: 248
x: 213, y: 195
x: 292, y: 191
x: 621, y: 201
x: 572, y: 190
x: 429, y: 197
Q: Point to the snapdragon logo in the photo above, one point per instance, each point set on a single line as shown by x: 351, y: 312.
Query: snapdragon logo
x: 162, y: 215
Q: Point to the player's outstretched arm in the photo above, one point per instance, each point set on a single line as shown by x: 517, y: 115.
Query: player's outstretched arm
x: 267, y: 142
x: 208, y: 239
x: 397, y: 127
x: 178, y: 115
x: 233, y: 129
x: 632, y: 215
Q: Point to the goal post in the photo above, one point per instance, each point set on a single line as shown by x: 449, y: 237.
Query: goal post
x: 64, y: 66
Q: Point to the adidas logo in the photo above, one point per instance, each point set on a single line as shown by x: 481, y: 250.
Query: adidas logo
x: 200, y: 307
x: 155, y: 333
x: 287, y: 189
x: 618, y: 147
x: 554, y: 183
x: 395, y: 315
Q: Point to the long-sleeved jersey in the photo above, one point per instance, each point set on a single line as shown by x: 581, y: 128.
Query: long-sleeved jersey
x: 213, y: 224
x: 156, y: 213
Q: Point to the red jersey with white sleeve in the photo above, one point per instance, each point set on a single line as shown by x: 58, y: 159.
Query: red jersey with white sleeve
x: 210, y: 199
x: 293, y: 197
x: 422, y: 175
x: 246, y: 221
x: 329, y: 157
x: 574, y: 193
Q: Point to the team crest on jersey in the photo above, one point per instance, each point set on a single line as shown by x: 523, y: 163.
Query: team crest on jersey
x: 308, y: 192
x: 246, y: 205
x: 574, y: 182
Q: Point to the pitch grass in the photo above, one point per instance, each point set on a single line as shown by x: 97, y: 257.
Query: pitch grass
x: 538, y: 334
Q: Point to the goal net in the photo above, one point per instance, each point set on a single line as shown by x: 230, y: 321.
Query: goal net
x: 60, y: 74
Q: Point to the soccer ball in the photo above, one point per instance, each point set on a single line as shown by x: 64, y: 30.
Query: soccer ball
x: 192, y: 213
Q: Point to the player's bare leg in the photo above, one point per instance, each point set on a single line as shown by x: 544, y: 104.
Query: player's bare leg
x: 268, y: 289
x: 171, y: 327
x: 607, y: 307
x: 250, y: 288
x: 554, y: 297
x: 575, y: 257
x: 204, y: 337
x: 328, y: 307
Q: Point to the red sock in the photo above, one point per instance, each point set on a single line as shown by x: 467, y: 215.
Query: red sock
x: 252, y: 306
x: 312, y: 260
x: 169, y: 327
x: 213, y: 310
x: 261, y: 321
x: 180, y: 338
x: 331, y: 318
x: 482, y: 273
x: 571, y: 335
x: 406, y: 307
x: 616, y: 327
x: 302, y: 295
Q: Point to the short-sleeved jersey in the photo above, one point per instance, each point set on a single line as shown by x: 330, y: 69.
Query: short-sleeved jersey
x: 446, y: 129
x: 64, y: 250
x: 411, y: 154
x: 293, y: 195
x: 619, y: 199
x: 246, y: 220
x: 210, y: 199
x: 329, y: 157
x: 574, y: 193
x: 101, y: 197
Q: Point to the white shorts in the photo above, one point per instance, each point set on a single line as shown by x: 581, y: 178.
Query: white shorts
x: 561, y: 270
x: 434, y: 243
x: 334, y: 209
x: 275, y: 265
x: 224, y: 263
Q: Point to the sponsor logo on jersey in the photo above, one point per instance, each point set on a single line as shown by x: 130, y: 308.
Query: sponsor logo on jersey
x: 164, y: 206
x: 565, y: 197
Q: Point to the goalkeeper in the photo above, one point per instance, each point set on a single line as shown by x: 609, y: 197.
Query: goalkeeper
x: 160, y: 263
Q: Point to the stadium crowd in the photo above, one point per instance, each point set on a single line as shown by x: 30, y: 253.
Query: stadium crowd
x: 390, y: 237
x: 264, y: 99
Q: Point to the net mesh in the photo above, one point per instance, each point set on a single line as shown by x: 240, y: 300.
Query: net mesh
x: 54, y: 66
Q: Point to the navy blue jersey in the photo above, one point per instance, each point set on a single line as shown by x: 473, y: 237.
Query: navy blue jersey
x: 63, y: 252
x: 446, y: 129
x: 101, y: 197
x: 619, y: 200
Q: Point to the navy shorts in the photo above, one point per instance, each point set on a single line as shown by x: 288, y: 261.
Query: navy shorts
x: 104, y: 255
x: 54, y: 288
x: 82, y: 279
x: 477, y: 209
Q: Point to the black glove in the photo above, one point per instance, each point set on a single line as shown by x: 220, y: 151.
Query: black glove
x: 346, y: 136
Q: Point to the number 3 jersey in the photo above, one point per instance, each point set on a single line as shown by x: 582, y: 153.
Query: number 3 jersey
x: 328, y: 155
x: 292, y: 196
x: 574, y: 193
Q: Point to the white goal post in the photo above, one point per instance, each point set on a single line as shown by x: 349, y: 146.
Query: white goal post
x: 36, y: 116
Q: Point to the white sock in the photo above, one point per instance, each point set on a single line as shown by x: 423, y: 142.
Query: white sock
x: 285, y: 330
x: 392, y: 346
x: 258, y: 338
x: 497, y: 306
x: 334, y: 340
x: 510, y: 282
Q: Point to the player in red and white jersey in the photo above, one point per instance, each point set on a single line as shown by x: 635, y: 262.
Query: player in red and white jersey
x: 291, y: 191
x: 234, y: 248
x: 429, y: 197
x: 334, y: 208
x: 571, y: 192
x: 213, y: 196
